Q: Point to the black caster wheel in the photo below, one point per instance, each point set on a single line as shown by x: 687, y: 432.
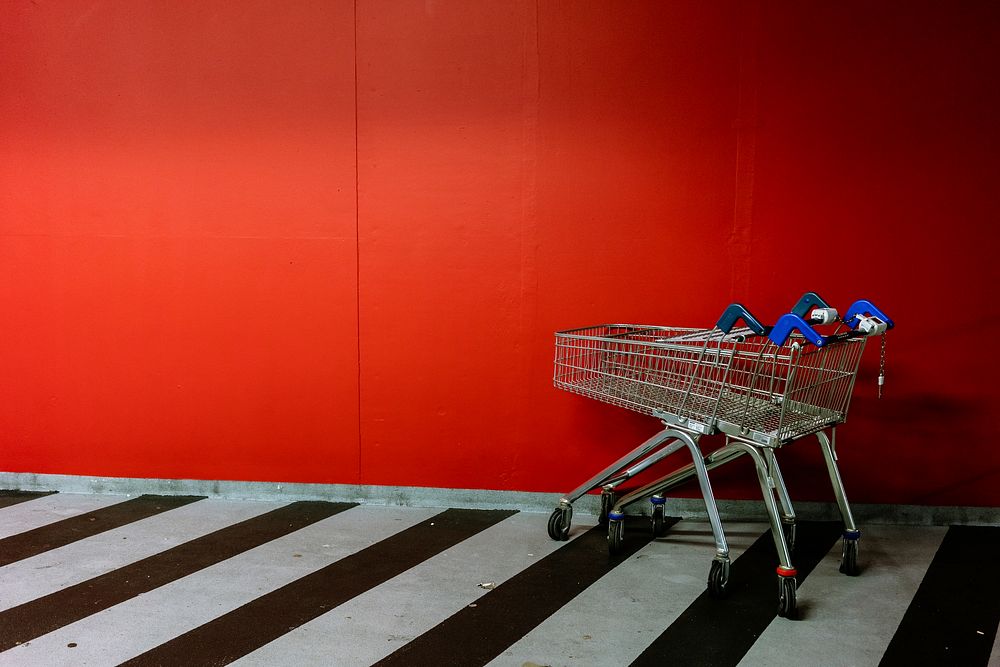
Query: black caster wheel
x: 789, y: 530
x: 559, y: 523
x: 849, y: 560
x: 658, y: 524
x: 718, y: 579
x: 786, y: 597
x: 616, y: 533
x: 607, y: 503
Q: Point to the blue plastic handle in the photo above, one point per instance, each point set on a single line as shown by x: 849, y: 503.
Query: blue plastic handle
x: 809, y: 301
x: 786, y: 323
x: 735, y: 312
x: 862, y: 307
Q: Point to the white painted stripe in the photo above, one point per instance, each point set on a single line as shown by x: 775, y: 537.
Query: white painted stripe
x: 376, y: 623
x: 56, y: 569
x: 621, y: 614
x: 849, y: 621
x: 144, y: 622
x: 49, y: 509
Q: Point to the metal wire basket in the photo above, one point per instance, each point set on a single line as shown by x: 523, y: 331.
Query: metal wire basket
x: 707, y: 380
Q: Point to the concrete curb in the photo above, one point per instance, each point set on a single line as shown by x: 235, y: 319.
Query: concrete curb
x: 412, y: 496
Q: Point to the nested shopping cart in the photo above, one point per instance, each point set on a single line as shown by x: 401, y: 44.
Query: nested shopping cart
x: 760, y: 387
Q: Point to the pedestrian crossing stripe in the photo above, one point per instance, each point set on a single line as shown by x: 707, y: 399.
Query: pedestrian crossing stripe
x: 951, y: 619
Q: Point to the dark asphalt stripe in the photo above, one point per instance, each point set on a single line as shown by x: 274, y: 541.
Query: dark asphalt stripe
x: 720, y: 632
x: 58, y: 534
x: 266, y: 618
x: 45, y: 614
x: 476, y: 635
x: 958, y: 598
x: 11, y: 497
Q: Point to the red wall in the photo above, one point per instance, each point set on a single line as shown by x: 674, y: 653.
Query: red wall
x: 330, y: 243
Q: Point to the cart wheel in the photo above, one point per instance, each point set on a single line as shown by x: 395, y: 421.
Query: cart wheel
x: 849, y: 561
x: 659, y: 524
x: 607, y: 503
x: 718, y: 579
x: 657, y: 521
x: 559, y: 524
x: 786, y: 597
x: 789, y: 530
x: 616, y: 532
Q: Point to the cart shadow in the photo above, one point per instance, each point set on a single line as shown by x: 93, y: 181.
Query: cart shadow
x: 802, y: 608
x: 698, y: 538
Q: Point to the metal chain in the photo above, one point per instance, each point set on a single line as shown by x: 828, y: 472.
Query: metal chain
x: 881, y: 368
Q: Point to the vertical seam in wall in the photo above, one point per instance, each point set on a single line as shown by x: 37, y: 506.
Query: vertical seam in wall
x: 357, y: 230
x: 528, y: 231
x: 748, y: 85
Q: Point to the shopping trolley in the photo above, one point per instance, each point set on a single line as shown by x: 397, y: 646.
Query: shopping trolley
x: 761, y: 387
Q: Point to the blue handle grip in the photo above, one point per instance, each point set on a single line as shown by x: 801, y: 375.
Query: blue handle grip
x: 862, y: 307
x: 783, y: 329
x: 735, y: 312
x: 809, y: 301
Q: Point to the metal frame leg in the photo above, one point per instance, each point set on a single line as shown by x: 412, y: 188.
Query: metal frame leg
x: 700, y: 470
x: 849, y: 557
x: 610, y: 474
x: 828, y: 447
x: 609, y: 478
x: 679, y: 476
x: 768, y: 486
x: 787, y: 513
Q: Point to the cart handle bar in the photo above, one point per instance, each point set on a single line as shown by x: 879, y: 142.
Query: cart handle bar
x: 809, y: 301
x: 863, y: 307
x: 858, y: 311
x: 737, y: 311
x: 789, y: 321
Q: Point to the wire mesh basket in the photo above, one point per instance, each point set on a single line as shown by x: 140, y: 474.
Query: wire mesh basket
x: 706, y: 379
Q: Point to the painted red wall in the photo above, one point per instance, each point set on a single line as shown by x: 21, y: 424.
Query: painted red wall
x: 179, y: 244
x: 330, y: 243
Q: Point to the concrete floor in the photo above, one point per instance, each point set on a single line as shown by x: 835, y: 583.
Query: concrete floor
x: 102, y: 580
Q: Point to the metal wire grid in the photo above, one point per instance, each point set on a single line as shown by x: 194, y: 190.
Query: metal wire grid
x: 745, y: 386
x: 646, y: 368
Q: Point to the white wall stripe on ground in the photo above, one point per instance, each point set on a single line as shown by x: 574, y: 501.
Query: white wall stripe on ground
x: 49, y: 509
x: 376, y: 623
x: 137, y: 625
x: 65, y: 566
x: 849, y: 621
x: 621, y: 614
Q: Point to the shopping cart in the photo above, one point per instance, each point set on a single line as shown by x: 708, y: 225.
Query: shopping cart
x: 761, y: 387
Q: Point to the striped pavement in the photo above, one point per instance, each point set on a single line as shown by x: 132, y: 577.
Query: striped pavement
x: 185, y: 580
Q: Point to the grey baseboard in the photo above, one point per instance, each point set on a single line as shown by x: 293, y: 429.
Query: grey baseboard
x: 689, y: 508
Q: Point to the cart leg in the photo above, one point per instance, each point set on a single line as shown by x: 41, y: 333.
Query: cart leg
x: 562, y: 515
x: 786, y: 572
x: 787, y: 513
x: 700, y: 470
x: 849, y: 560
x: 718, y: 574
x: 767, y: 485
x: 828, y: 447
x: 679, y: 476
x: 610, y: 473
